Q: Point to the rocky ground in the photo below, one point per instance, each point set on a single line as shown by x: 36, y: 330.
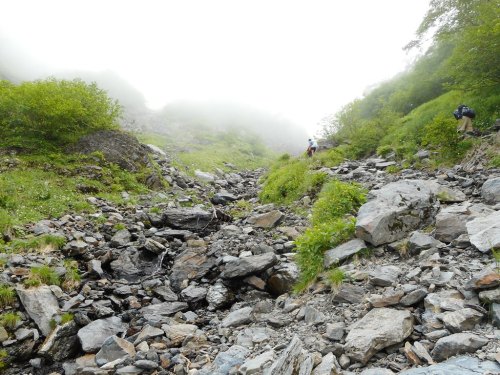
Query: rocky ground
x: 170, y: 286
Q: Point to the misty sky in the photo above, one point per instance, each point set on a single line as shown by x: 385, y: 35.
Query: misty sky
x: 301, y: 59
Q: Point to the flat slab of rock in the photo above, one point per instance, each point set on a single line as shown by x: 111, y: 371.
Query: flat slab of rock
x: 194, y: 219
x: 225, y: 361
x: 384, y: 275
x: 41, y: 305
x: 377, y: 330
x: 163, y: 309
x: 342, y: 252
x: 114, y: 348
x: 458, y: 343
x: 484, y: 232
x: 288, y: 360
x: 93, y: 335
x: 395, y: 210
x: 267, y: 220
x: 237, y: 317
x: 463, y: 365
x: 249, y: 265
x: 349, y: 293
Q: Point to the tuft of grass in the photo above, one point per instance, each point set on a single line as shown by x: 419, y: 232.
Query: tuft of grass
x: 241, y: 208
x: 72, y: 277
x: 496, y: 256
x: 7, y: 295
x: 9, y: 320
x: 3, y: 356
x: 155, y: 210
x: 119, y: 226
x: 42, y: 275
x: 336, y: 277
x: 66, y: 318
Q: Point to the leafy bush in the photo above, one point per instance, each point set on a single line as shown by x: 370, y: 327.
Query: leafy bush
x: 441, y: 134
x: 314, y: 242
x: 53, y: 112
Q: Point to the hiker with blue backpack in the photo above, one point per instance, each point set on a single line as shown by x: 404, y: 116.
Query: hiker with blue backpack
x: 466, y: 114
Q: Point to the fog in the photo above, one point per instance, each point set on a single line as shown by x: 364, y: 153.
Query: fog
x: 278, y: 66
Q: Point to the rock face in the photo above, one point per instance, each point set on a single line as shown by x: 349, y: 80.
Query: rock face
x: 377, y: 330
x: 395, y: 210
x: 41, y: 305
x: 117, y: 147
x: 457, y: 366
x: 484, y: 232
x: 491, y: 190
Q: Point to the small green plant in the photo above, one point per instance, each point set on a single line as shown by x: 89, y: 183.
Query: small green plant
x: 42, y: 275
x: 496, y: 256
x: 241, y: 208
x: 7, y: 295
x: 393, y: 169
x: 155, y: 210
x: 494, y: 162
x: 66, y: 318
x: 9, y: 320
x: 335, y: 277
x: 72, y: 276
x: 119, y: 226
x: 384, y: 150
x: 3, y: 356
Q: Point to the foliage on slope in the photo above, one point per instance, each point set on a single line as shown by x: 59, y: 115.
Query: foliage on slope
x: 461, y: 66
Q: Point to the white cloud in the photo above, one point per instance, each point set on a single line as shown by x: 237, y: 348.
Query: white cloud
x: 303, y: 59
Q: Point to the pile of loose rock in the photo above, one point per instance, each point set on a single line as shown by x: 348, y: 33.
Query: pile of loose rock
x: 172, y: 287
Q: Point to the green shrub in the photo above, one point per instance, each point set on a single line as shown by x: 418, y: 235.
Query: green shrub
x: 314, y: 242
x: 7, y: 295
x: 384, y: 150
x: 441, y: 134
x: 42, y: 275
x: 53, y: 111
x: 337, y: 199
x: 392, y: 169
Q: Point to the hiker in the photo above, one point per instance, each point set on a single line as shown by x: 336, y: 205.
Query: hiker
x: 465, y: 114
x: 312, y: 147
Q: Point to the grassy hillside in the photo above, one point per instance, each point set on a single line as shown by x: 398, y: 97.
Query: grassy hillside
x: 205, y: 149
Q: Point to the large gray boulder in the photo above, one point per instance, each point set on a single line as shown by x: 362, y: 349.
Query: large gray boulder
x: 484, y: 232
x: 41, y: 305
x: 194, y: 219
x: 93, y: 335
x: 490, y: 190
x: 377, y: 330
x: 395, y: 210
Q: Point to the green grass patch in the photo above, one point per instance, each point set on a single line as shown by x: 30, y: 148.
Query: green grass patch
x: 42, y: 275
x: 66, y: 318
x: 335, y: 277
x: 337, y: 199
x: 314, y: 242
x: 7, y: 295
x: 9, y: 320
x: 72, y: 276
x: 46, y: 242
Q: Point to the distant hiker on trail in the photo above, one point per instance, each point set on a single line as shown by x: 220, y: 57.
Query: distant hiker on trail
x: 465, y: 114
x: 312, y: 147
